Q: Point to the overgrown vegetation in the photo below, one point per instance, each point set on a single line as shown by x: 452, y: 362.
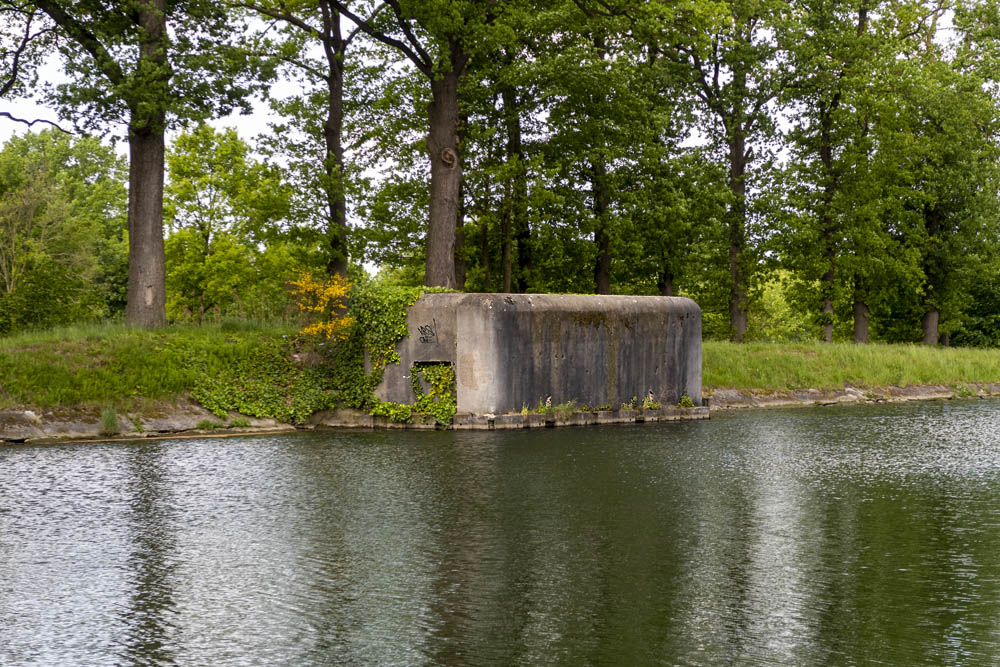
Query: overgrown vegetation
x: 439, y: 400
x: 109, y: 422
x: 262, y: 370
x: 257, y: 369
x: 100, y: 365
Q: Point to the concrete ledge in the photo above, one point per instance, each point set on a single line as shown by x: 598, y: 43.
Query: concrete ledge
x: 535, y: 420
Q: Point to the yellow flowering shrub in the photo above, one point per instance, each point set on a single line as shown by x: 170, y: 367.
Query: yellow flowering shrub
x: 323, y: 302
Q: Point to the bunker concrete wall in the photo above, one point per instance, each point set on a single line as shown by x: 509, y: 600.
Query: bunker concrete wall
x: 430, y: 323
x: 511, y: 351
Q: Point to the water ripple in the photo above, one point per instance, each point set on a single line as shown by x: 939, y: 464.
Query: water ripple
x: 814, y: 536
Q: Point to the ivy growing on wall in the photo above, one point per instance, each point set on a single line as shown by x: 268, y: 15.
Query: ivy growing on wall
x: 290, y: 379
x: 439, y: 400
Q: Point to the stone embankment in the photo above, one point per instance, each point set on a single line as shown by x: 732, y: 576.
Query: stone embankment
x: 78, y: 424
x: 725, y: 399
x: 465, y: 421
x: 28, y: 426
x: 75, y: 424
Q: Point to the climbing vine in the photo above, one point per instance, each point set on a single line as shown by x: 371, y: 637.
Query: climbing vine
x: 439, y: 400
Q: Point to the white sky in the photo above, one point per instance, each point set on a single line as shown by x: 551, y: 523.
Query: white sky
x: 247, y: 127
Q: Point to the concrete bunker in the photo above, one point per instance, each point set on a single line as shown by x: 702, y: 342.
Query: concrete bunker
x: 514, y: 351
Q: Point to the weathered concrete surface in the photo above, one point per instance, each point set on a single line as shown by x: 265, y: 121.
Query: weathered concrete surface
x: 511, y: 351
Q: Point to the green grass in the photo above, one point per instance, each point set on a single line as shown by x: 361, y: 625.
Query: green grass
x: 248, y: 368
x: 776, y: 366
x: 100, y: 365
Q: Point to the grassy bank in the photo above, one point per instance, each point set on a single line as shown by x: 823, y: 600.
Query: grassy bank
x: 776, y: 367
x: 264, y: 371
x: 112, y: 365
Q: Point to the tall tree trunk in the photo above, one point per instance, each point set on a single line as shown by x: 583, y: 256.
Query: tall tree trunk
x: 665, y: 283
x: 446, y: 175
x: 860, y: 321
x: 929, y: 324
x: 519, y: 187
x: 602, y: 202
x: 147, y: 291
x: 505, y: 237
x: 827, y: 310
x: 333, y: 164
x: 460, y: 264
x: 737, y: 233
x: 934, y: 270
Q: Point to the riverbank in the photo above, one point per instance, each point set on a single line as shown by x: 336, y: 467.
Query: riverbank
x: 108, y: 382
x: 191, y: 420
x: 779, y: 375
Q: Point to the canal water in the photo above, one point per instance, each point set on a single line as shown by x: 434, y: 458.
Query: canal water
x: 828, y: 536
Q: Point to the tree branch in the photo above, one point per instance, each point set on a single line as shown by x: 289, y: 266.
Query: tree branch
x: 85, y: 38
x: 29, y: 123
x: 19, y: 51
x: 426, y: 66
x: 408, y: 31
x: 281, y: 16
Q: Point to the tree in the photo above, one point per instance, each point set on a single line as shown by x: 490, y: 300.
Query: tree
x: 307, y: 26
x: 142, y: 64
x: 591, y: 79
x: 735, y: 75
x: 439, y: 37
x: 834, y: 50
x: 25, y: 37
x: 62, y: 207
x: 227, y: 252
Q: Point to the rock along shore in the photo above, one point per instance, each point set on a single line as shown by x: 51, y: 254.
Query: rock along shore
x: 728, y: 399
x: 188, y: 419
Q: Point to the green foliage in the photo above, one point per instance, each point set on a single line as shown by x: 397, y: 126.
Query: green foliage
x: 439, y: 400
x: 981, y: 323
x: 774, y: 319
x: 650, y: 403
x: 62, y: 203
x: 198, y: 68
x: 239, y: 422
x: 395, y: 412
x: 268, y: 384
x: 643, y: 134
x: 685, y: 402
x: 563, y: 411
x: 226, y: 254
x: 379, y: 315
x: 209, y: 425
x: 109, y: 422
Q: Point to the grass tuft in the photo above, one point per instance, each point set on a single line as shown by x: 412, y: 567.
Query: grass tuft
x: 109, y: 422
